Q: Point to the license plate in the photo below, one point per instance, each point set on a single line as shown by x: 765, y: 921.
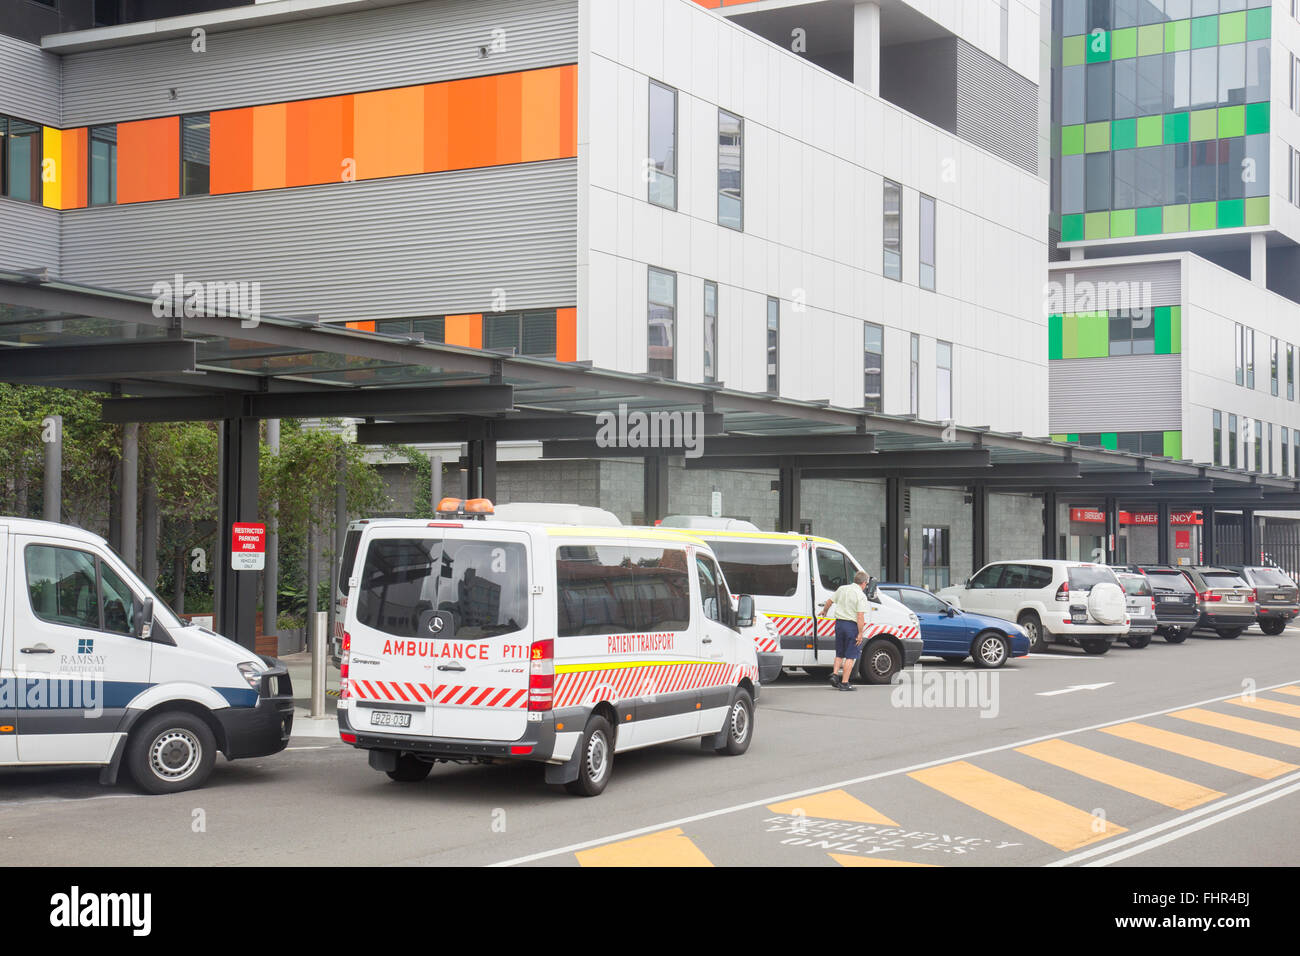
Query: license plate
x: 1078, y: 616
x: 387, y: 718
x: 1235, y: 599
x: 1279, y: 597
x: 1169, y: 600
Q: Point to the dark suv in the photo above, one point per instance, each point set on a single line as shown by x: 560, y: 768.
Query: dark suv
x: 1277, y: 599
x: 1175, y: 601
x: 1225, y: 601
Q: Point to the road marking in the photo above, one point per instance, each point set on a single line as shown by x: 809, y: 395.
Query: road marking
x: 1071, y: 690
x: 1042, y: 817
x: 1240, y: 725
x: 666, y: 848
x: 866, y: 778
x: 1122, y: 774
x: 1293, y: 690
x: 833, y: 805
x: 320, y: 747
x: 1217, y: 755
x: 844, y: 859
x: 102, y: 796
x: 1266, y: 705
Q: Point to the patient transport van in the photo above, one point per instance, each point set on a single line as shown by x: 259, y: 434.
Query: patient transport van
x: 95, y: 670
x: 477, y: 641
x: 790, y: 576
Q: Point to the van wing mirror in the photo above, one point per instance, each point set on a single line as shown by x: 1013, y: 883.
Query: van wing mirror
x: 142, y: 614
x: 745, y: 611
x: 873, y: 592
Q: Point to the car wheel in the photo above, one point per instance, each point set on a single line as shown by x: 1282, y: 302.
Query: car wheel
x: 410, y: 769
x: 990, y: 650
x: 1033, y: 628
x: 1178, y: 636
x: 879, y: 662
x: 1138, y: 642
x: 953, y: 658
x: 1094, y: 646
x: 596, y: 762
x: 171, y: 752
x: 1229, y: 634
x: 1272, y: 625
x: 740, y: 724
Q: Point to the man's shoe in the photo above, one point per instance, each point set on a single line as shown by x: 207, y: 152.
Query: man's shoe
x: 835, y: 680
x: 843, y: 686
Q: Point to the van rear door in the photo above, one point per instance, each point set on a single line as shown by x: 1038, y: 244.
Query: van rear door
x: 8, y: 740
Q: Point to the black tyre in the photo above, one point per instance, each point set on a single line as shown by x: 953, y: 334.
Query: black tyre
x: 597, y: 759
x: 1138, y: 642
x: 879, y: 662
x: 410, y: 769
x: 953, y: 658
x: 818, y: 673
x: 990, y: 650
x: 1094, y: 646
x: 1272, y: 625
x: 171, y: 752
x: 1177, y: 637
x: 740, y: 724
x: 1033, y: 628
x: 1230, y: 633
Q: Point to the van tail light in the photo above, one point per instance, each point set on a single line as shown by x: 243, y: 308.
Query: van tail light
x: 541, y: 675
x: 1063, y: 592
x: 345, y: 685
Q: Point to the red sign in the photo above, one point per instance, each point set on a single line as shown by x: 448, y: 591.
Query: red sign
x: 248, y: 547
x: 1182, y: 539
x: 1095, y: 516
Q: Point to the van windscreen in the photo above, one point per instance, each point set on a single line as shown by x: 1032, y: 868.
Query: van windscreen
x: 759, y: 567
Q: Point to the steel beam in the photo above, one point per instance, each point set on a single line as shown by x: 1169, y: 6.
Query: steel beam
x: 894, y: 523
x: 765, y: 452
x: 1050, y: 530
x: 1209, y: 546
x: 583, y: 427
x: 881, y: 462
x: 146, y: 357
x: 655, y: 488
x: 790, y: 498
x: 237, y: 618
x: 1162, y: 531
x: 979, y: 525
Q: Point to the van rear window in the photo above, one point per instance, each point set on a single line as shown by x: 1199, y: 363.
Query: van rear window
x: 483, y: 584
x: 349, y: 558
x: 768, y: 568
x: 1085, y: 578
x: 615, y: 589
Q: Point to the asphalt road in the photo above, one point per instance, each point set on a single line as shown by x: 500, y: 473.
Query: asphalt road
x: 1166, y: 756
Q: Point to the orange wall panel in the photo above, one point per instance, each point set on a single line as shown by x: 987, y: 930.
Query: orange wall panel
x: 270, y: 145
x: 326, y: 142
x: 75, y: 185
x: 568, y: 111
x: 510, y: 92
x: 541, y: 129
x: 472, y: 123
x: 231, y: 151
x: 464, y: 330
x: 389, y: 132
x: 566, y: 335
x: 149, y: 160
x: 437, y: 105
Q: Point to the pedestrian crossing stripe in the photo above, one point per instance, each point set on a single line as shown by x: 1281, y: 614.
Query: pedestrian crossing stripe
x: 1278, y: 707
x: 1217, y: 755
x: 1123, y: 775
x: 1250, y: 728
x: 1292, y: 690
x: 665, y: 848
x: 845, y: 859
x: 833, y: 805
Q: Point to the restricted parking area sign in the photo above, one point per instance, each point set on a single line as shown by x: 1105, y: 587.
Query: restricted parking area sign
x: 248, y: 547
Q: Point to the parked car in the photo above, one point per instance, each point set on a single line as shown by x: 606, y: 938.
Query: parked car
x: 1277, y: 599
x: 1175, y: 597
x: 954, y: 634
x: 1141, y: 608
x: 1225, y: 603
x: 1053, y: 601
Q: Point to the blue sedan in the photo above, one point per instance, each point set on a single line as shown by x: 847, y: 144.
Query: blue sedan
x: 954, y: 634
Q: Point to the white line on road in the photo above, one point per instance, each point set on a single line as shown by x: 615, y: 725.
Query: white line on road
x: 1071, y: 690
x: 794, y: 795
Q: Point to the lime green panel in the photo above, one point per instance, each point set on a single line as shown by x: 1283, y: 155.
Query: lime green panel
x: 1096, y: 225
x: 1175, y: 219
x: 1173, y: 444
x: 1151, y: 39
x: 1149, y: 221
x: 1150, y: 130
x: 1177, y: 127
x: 1098, y: 46
x: 1205, y: 32
x: 1123, y: 133
x: 1124, y: 43
x: 1072, y: 139
x: 1232, y: 213
x: 1203, y: 215
x: 1175, y: 329
x: 1232, y: 122
x: 1060, y: 438
x: 1257, y: 118
x: 1069, y: 336
x: 1054, y: 337
x: 1232, y: 27
x: 1204, y: 124
x: 1178, y: 35
x: 1097, y: 137
x: 1122, y: 223
x: 1072, y: 50
x: 1110, y: 440
x: 1257, y: 211
x: 1162, y: 323
x: 1259, y: 24
x: 1094, y: 335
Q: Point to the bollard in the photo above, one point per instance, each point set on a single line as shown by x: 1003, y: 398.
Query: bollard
x: 318, y: 657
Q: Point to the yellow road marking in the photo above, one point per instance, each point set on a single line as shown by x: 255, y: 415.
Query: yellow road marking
x: 844, y: 859
x: 1270, y: 706
x: 1042, y: 817
x: 1217, y: 755
x: 1251, y: 728
x: 1121, y: 774
x: 833, y: 805
x: 665, y: 848
x: 1293, y: 690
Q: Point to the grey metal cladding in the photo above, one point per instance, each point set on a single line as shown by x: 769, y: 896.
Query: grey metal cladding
x: 997, y: 108
x: 29, y: 82
x: 1164, y: 279
x: 436, y: 243
x: 1124, y: 393
x: 29, y: 236
x: 348, y: 53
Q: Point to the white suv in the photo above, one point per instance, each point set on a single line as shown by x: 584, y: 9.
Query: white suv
x: 1062, y: 602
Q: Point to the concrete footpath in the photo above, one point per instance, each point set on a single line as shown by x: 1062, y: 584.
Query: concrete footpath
x: 304, y: 725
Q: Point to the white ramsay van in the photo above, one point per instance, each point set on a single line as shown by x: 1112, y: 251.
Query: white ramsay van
x: 790, y: 576
x: 95, y: 670
x: 478, y: 641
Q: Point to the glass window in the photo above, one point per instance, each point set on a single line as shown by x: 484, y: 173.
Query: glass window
x: 1178, y: 9
x: 1273, y: 367
x: 1099, y: 92
x: 195, y: 154
x: 914, y: 376
x: 1286, y: 452
x: 23, y: 161
x: 1072, y: 184
x: 1074, y: 18
x: 1125, y: 170
x: 873, y: 366
x: 1121, y: 336
x: 923, y: 602
x: 1126, y: 92
x: 943, y: 354
x: 527, y: 333
x: 661, y: 333
x: 1179, y: 158
x: 1205, y: 78
x: 1204, y: 178
x: 1150, y: 84
x: 119, y: 602
x: 613, y: 589
x: 108, y: 13
x: 759, y: 567
x: 1178, y: 81
x: 710, y: 331
x: 61, y: 585
x: 1099, y: 14
x: 1250, y: 358
x: 1233, y: 168
x: 988, y: 577
x: 1239, y: 340
x: 1232, y: 74
x: 1257, y: 71
x: 1150, y: 176
x: 714, y: 598
x: 935, y: 568
x: 1073, y: 88
x: 774, y: 346
x: 834, y: 569
x: 1290, y: 372
x: 1232, y: 441
x: 731, y: 173
x: 1204, y: 8
x: 1151, y: 11
x: 1098, y: 182
x: 1254, y: 168
x: 893, y: 230
x: 103, y: 165
x: 1125, y: 15
x: 663, y: 145
x: 927, y: 226
x: 1218, y: 437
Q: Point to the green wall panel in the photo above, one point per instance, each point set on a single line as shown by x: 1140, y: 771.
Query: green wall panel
x: 1204, y: 124
x: 1122, y: 223
x: 1073, y: 50
x: 1178, y: 35
x: 1096, y: 225
x: 1163, y: 321
x: 1054, y: 337
x: 1072, y: 228
x: 1256, y: 118
x: 1174, y: 444
x: 1110, y: 440
x: 1175, y: 329
x: 1232, y: 121
x: 1072, y: 139
x: 1177, y: 127
x: 1097, y: 137
x: 1149, y: 221
x: 1124, y: 43
x: 1257, y: 211
x: 1150, y: 130
x: 1098, y: 47
x: 1175, y: 219
x: 1259, y: 24
x: 1205, y: 32
x: 1151, y: 39
x: 1123, y: 133
x: 1232, y: 213
x: 1203, y: 215
x: 1094, y: 335
x: 1232, y: 27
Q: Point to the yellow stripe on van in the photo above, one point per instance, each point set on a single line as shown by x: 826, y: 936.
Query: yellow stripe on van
x: 679, y: 537
x: 791, y: 536
x: 578, y: 668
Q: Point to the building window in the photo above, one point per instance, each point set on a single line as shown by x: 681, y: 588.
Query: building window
x: 663, y: 145
x: 108, y: 13
x: 527, y: 333
x: 1218, y: 437
x: 195, y: 154
x: 1132, y: 332
x: 914, y: 377
x: 893, y: 231
x: 1240, y: 343
x: 663, y: 323
x: 1270, y: 449
x: 1286, y: 452
x: 774, y: 345
x: 433, y: 327
x: 1272, y: 367
x: 927, y: 243
x: 103, y: 165
x: 934, y: 558
x: 20, y: 164
x: 710, y: 331
x: 873, y: 367
x: 1259, y: 445
x: 1232, y: 441
x: 943, y: 361
x: 1290, y: 372
x: 731, y: 170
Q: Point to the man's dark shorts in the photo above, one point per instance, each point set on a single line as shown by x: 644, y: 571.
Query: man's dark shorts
x: 846, y: 639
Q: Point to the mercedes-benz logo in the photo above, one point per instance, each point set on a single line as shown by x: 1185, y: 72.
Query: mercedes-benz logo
x: 435, y: 625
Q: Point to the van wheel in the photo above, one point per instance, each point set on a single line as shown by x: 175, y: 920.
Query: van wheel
x: 1033, y: 628
x: 597, y: 760
x: 991, y: 650
x: 740, y: 724
x: 880, y: 661
x: 1094, y: 646
x: 171, y: 752
x: 410, y: 769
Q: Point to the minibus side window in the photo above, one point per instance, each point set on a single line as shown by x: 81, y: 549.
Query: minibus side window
x: 713, y: 592
x: 119, y: 603
x: 768, y: 568
x: 833, y: 569
x: 615, y: 589
x: 61, y: 585
x: 349, y: 558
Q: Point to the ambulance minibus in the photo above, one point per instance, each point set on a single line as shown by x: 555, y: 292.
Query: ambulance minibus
x: 477, y: 641
x: 790, y: 576
x: 94, y: 669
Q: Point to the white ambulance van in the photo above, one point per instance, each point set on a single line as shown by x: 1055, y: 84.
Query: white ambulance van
x: 95, y: 670
x: 477, y: 641
x: 790, y: 576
